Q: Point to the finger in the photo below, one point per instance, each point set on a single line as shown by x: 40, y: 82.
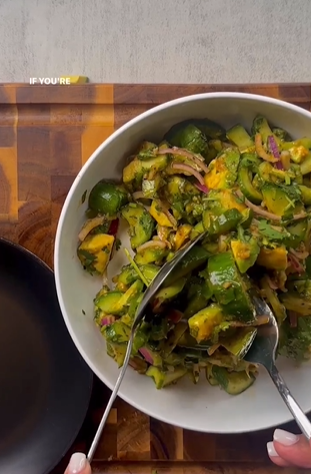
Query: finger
x: 292, y: 448
x: 78, y: 464
x: 274, y: 457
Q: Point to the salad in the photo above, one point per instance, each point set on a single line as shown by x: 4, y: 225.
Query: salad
x: 251, y: 192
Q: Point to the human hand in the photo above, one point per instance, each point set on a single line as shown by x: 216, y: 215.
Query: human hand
x: 78, y: 464
x: 288, y: 449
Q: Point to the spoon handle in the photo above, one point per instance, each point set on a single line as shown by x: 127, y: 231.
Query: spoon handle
x: 301, y: 419
x: 112, y: 398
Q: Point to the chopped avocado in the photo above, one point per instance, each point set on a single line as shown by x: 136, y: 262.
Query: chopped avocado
x: 217, y: 225
x: 173, y: 337
x: 281, y: 134
x: 107, y: 303
x: 134, y: 172
x: 162, y: 379
x: 167, y: 293
x: 117, y: 352
x: 150, y: 186
x: 260, y: 125
x: 225, y: 199
x: 128, y: 275
x: 298, y: 154
x: 272, y: 298
x: 209, y: 375
x: 152, y: 254
x: 233, y: 383
x: 146, y: 150
x: 239, y: 137
x: 240, y: 342
x: 305, y: 166
x: 107, y: 198
x: 245, y: 253
x: 273, y: 259
x: 158, y: 214
x: 305, y: 194
x: 280, y: 200
x: 117, y: 332
x: 249, y: 165
x: 305, y: 142
x: 198, y: 295
x: 297, y: 233
x: 297, y: 303
x: 141, y: 338
x: 134, y: 290
x: 141, y: 224
x: 95, y: 251
x: 230, y: 287
x: 197, y: 230
x: 195, y: 258
x: 203, y: 323
x: 222, y: 171
x: 296, y: 342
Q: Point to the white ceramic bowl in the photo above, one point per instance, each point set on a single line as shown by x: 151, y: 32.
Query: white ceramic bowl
x: 197, y: 407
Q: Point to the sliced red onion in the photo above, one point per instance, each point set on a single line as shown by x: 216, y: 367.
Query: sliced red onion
x: 175, y: 316
x: 89, y: 226
x: 187, y: 169
x: 146, y: 354
x: 299, y: 255
x: 151, y: 244
x: 261, y: 151
x: 275, y: 151
x: 274, y: 147
x: 106, y: 320
x: 295, y: 263
x: 257, y: 209
x: 187, y: 154
x: 203, y: 188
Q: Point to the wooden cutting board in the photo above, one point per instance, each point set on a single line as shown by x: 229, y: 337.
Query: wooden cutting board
x: 46, y: 134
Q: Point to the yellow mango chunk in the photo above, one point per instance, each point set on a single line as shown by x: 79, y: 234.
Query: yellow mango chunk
x: 273, y: 259
x: 217, y: 176
x: 182, y: 235
x: 203, y: 323
x: 229, y: 201
x: 94, y: 252
x: 159, y: 215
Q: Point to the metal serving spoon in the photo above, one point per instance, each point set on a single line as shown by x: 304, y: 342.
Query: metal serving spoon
x: 263, y: 352
x: 140, y: 314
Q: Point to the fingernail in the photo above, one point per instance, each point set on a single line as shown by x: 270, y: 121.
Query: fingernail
x: 271, y: 450
x: 285, y: 438
x: 77, y: 463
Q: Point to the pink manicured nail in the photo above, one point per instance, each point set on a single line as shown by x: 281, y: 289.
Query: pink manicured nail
x: 77, y: 463
x: 271, y: 450
x: 285, y: 438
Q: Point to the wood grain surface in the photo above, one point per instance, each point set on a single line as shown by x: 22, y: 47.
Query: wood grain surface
x: 47, y: 133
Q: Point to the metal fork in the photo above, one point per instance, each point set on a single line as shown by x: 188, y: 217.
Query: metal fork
x: 140, y: 313
x: 263, y: 352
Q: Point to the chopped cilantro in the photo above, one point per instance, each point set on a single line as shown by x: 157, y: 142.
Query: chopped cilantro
x: 270, y: 232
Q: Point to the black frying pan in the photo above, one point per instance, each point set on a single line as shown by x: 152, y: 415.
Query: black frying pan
x: 45, y: 385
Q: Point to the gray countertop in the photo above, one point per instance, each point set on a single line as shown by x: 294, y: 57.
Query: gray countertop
x: 162, y: 41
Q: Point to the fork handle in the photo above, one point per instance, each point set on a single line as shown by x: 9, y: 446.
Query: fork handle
x: 301, y: 419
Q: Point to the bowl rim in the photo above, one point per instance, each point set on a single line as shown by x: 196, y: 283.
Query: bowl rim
x: 87, y: 164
